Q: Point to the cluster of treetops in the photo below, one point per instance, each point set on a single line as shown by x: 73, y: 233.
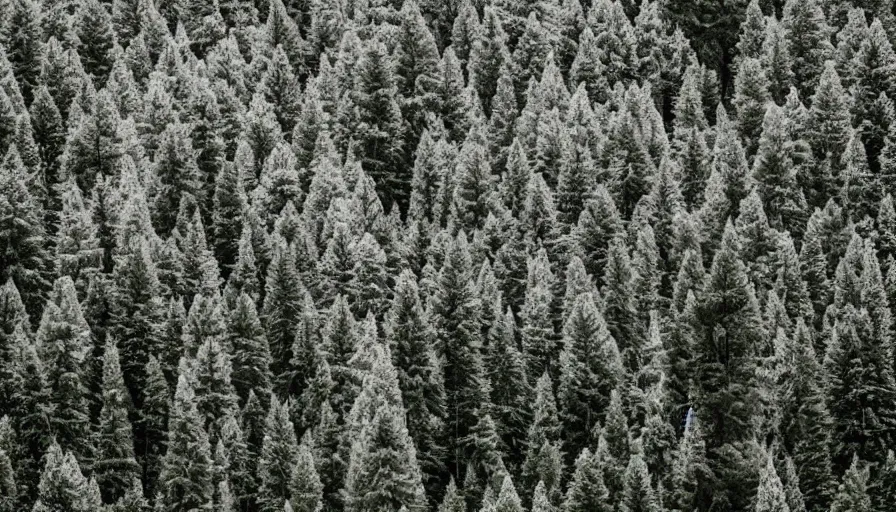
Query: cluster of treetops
x: 463, y: 255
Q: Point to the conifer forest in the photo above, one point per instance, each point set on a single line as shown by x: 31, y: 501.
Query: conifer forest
x: 447, y: 256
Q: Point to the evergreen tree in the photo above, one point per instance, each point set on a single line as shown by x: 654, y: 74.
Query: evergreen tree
x: 96, y: 37
x: 770, y: 496
x: 63, y: 486
x: 115, y: 467
x: 456, y: 310
x: 382, y: 470
x: 306, y: 490
x: 379, y: 130
x: 808, y: 34
x: 407, y: 330
x: 153, y: 424
x: 282, y: 299
x: 23, y: 42
x: 251, y: 353
x: 21, y: 228
x: 185, y: 481
x: 590, y: 368
x: 853, y: 492
x: 750, y: 99
x: 277, y: 458
x: 65, y: 346
x: 725, y: 378
x: 638, y: 493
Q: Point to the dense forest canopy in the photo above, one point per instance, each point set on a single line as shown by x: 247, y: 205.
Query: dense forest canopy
x: 447, y: 255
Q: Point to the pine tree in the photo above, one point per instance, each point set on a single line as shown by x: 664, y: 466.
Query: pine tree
x: 808, y: 34
x: 185, y: 481
x: 773, y: 170
x: 115, y: 467
x: 598, y: 225
x: 306, y: 490
x: 8, y: 490
x: 540, y: 352
x: 587, y: 490
x: 725, y: 379
x: 407, y: 328
x: 690, y: 472
x: 853, y: 339
x: 22, y: 228
x: 638, y: 493
x: 216, y: 398
x: 176, y: 174
x: 590, y: 368
x: 382, y: 470
x: 78, y: 251
x: 96, y: 38
x: 249, y: 346
x: 544, y: 432
x: 770, y: 496
x: 488, y: 54
x: 64, y: 346
x: 63, y: 486
x: 455, y: 316
x: 853, y: 492
x: 510, y: 390
x: 23, y: 41
x: 750, y: 99
x: 31, y: 408
x: 282, y: 299
x: 153, y: 425
x: 828, y: 126
x: 379, y: 132
x: 277, y: 458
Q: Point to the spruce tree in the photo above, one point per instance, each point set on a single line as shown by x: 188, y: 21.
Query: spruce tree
x: 277, y: 458
x: 770, y: 497
x: 590, y: 368
x: 382, y: 469
x: 64, y: 346
x: 407, y: 330
x: 456, y: 311
x: 21, y: 227
x: 379, y: 132
x: 115, y: 467
x: 725, y: 380
x: 808, y: 34
x: 638, y: 493
x: 96, y: 37
x: 185, y: 481
x: 63, y: 485
x: 853, y: 492
x: 251, y: 353
x: 150, y: 448
x: 306, y: 490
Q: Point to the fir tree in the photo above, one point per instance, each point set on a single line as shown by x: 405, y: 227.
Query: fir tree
x: 853, y: 492
x: 96, y: 37
x: 115, y: 466
x: 455, y: 316
x: 590, y: 367
x: 22, y: 228
x: 382, y: 469
x: 306, y: 490
x: 379, y: 132
x: 407, y: 329
x: 277, y: 458
x: 638, y: 493
x: 63, y: 486
x: 725, y: 378
x: 249, y: 346
x: 770, y: 496
x: 808, y: 34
